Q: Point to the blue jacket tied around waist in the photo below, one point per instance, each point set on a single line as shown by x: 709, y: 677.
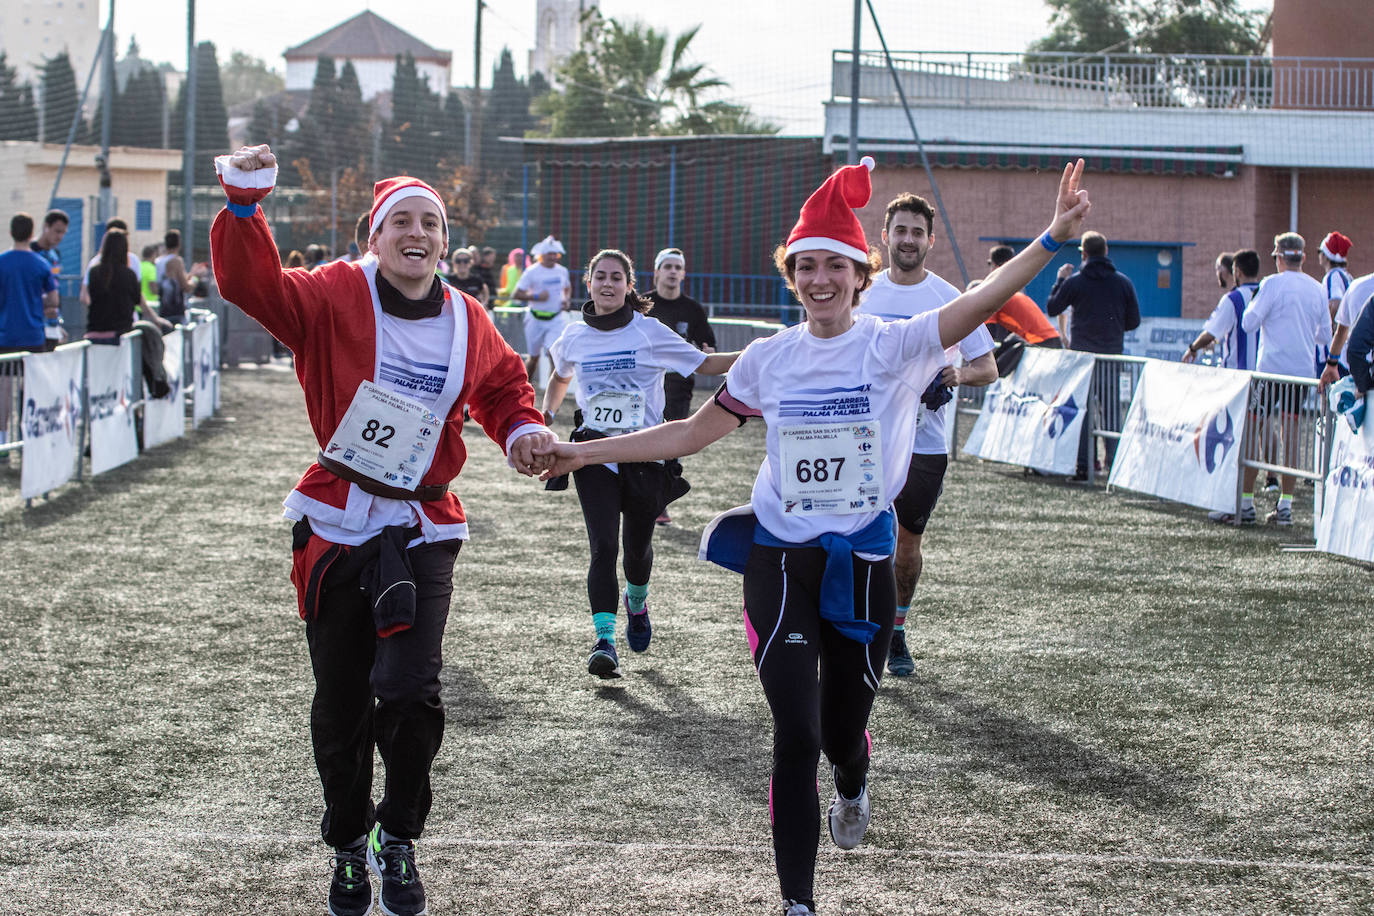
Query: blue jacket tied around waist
x: 727, y: 540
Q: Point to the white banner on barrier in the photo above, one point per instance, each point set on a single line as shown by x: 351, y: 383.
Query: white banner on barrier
x: 1344, y: 526
x: 1033, y: 416
x: 164, y: 419
x: 202, y: 373
x: 1182, y: 435
x: 51, y: 414
x: 113, y: 438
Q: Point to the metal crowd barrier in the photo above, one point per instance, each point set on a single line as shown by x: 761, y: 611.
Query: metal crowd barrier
x: 1109, y: 399
x: 12, y: 385
x: 1288, y: 430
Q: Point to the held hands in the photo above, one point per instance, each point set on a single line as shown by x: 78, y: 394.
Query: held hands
x: 1071, y: 205
x: 251, y: 158
x: 530, y: 454
x: 562, y: 457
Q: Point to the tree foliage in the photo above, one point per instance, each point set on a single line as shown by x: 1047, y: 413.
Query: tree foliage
x: 421, y: 132
x: 210, y: 117
x: 1152, y: 27
x: 629, y: 79
x: 246, y: 78
x: 60, y: 98
x: 18, y: 115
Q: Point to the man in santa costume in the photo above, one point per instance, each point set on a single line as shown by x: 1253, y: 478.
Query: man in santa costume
x: 387, y: 356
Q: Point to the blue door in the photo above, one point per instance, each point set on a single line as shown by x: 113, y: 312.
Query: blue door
x: 1154, y: 268
x: 70, y: 249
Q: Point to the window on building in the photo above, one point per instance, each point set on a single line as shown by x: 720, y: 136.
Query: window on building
x: 143, y: 216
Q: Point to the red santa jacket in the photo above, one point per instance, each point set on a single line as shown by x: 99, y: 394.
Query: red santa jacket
x: 329, y: 318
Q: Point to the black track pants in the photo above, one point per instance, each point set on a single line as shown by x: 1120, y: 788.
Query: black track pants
x: 820, y: 687
x: 604, y: 500
x: 378, y: 692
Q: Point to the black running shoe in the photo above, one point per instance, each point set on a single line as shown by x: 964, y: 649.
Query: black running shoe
x: 350, y: 890
x: 638, y: 629
x: 394, y: 862
x: 604, y: 663
x: 899, y: 660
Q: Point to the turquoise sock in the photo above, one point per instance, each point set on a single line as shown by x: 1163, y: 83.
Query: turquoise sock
x: 604, y: 621
x: 636, y: 595
x: 899, y: 624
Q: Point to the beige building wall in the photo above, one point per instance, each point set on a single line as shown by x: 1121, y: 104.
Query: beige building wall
x: 27, y: 172
x: 31, y: 31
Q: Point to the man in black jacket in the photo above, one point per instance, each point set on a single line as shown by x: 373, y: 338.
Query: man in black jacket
x: 1104, y: 309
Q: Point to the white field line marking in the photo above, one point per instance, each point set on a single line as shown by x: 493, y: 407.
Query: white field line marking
x: 160, y: 838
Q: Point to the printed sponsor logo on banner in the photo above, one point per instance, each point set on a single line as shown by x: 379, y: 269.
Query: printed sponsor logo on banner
x: 1060, y: 416
x: 1210, y: 436
x: 46, y: 420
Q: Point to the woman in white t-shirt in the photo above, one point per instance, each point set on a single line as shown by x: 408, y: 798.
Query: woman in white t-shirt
x: 619, y: 358
x: 839, y: 395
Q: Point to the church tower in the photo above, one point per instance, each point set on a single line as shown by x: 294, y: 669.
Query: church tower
x: 557, y: 33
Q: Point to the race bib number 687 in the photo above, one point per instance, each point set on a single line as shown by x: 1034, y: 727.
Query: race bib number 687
x: 832, y: 468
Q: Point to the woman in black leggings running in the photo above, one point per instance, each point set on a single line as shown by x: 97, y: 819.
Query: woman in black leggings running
x: 838, y: 394
x: 619, y: 359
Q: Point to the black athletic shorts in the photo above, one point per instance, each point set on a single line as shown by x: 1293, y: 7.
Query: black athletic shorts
x: 1277, y: 397
x: 925, y: 478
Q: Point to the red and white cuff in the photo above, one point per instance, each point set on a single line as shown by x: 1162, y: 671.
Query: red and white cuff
x: 244, y: 188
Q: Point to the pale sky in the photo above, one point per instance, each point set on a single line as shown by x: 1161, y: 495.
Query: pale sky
x: 777, y: 63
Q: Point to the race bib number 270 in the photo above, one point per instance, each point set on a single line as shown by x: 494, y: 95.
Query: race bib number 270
x: 832, y: 469
x: 385, y: 436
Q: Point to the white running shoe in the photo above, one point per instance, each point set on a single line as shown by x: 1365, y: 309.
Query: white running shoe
x: 849, y: 818
x: 792, y: 908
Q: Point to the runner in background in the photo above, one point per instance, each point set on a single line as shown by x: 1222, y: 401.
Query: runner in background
x: 903, y: 290
x: 619, y: 358
x: 838, y: 394
x: 547, y: 289
x: 689, y: 320
x: 510, y: 275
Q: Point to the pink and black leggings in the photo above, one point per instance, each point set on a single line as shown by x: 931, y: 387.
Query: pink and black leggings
x: 820, y: 687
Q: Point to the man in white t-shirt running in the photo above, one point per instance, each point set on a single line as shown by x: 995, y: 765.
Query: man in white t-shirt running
x: 905, y: 289
x: 548, y: 291
x: 1290, y: 312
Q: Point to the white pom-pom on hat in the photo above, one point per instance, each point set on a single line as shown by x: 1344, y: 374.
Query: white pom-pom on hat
x: 869, y: 163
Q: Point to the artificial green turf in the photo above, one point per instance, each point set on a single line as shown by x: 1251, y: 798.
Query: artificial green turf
x: 1118, y: 708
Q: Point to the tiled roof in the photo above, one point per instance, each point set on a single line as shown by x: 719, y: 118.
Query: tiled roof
x: 367, y: 35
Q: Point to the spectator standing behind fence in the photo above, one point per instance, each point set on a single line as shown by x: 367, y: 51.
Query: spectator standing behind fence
x: 1356, y: 297
x: 484, y: 265
x: 510, y: 275
x: 28, y: 298
x: 1104, y: 309
x: 1020, y: 320
x: 1332, y: 258
x: 1239, y: 348
x: 85, y: 294
x: 1290, y: 313
x: 373, y: 550
x: 1226, y: 271
x: 55, y: 223
x: 173, y: 282
x: 462, y: 276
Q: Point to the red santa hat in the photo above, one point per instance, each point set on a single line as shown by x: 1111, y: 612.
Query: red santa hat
x: 827, y: 221
x: 1336, y: 246
x: 388, y: 192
